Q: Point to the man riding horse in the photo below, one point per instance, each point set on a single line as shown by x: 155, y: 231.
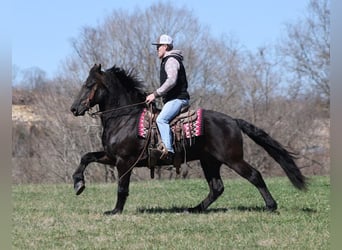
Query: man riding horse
x: 173, y: 90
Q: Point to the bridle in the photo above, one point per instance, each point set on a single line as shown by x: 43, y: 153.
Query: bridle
x: 91, y: 95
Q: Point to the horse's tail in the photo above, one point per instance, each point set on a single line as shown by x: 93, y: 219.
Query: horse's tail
x: 276, y: 151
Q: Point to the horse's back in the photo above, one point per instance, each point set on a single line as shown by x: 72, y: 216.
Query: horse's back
x: 222, y: 133
x: 220, y: 121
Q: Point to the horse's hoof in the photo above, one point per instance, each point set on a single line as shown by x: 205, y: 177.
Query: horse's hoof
x: 112, y: 212
x: 79, y: 187
x: 272, y: 207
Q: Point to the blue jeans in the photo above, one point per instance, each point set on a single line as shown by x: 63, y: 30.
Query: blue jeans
x: 168, y: 112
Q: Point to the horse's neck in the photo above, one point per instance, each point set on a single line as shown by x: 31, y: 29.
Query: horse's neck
x: 111, y: 102
x: 126, y: 102
x: 114, y: 108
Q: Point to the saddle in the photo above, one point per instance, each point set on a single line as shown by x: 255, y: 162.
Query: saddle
x: 185, y: 127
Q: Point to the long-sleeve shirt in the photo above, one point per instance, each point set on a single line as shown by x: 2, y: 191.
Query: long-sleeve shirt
x: 171, y: 67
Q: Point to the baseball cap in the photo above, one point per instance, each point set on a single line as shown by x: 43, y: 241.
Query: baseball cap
x: 163, y: 39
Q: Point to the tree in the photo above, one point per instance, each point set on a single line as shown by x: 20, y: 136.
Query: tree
x: 306, y: 51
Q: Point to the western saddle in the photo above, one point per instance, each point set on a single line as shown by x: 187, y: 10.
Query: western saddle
x: 185, y: 126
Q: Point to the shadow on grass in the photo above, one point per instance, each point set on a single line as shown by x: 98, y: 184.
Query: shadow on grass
x: 157, y: 210
x: 250, y: 209
x: 261, y: 209
x: 309, y: 210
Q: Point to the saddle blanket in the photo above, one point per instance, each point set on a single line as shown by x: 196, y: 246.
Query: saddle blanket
x: 189, y: 129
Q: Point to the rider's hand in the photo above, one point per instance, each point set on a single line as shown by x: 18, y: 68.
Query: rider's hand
x: 150, y: 98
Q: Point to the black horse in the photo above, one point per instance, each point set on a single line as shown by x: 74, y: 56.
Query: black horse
x: 120, y: 98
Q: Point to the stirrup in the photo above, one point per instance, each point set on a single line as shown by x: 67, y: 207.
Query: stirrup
x: 164, y: 154
x: 163, y: 150
x: 158, y: 154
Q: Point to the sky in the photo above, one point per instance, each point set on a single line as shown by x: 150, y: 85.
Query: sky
x: 41, y: 30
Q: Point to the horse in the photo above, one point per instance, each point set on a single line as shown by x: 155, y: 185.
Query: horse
x: 120, y: 98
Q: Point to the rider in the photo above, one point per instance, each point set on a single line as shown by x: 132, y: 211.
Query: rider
x: 173, y: 90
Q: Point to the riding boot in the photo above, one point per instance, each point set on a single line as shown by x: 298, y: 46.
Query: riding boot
x: 161, y: 157
x: 168, y: 159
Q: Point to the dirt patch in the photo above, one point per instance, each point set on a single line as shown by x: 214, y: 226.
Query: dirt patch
x: 24, y: 113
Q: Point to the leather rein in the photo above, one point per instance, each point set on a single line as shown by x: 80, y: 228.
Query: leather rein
x: 99, y: 113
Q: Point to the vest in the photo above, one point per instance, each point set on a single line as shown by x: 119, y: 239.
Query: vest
x: 179, y: 91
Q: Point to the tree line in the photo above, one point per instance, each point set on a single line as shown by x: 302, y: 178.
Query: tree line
x: 283, y: 88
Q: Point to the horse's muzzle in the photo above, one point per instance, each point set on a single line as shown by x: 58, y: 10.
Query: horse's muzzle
x: 78, y: 111
x: 73, y: 110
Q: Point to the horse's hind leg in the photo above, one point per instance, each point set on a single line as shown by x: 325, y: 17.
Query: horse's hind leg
x: 253, y: 176
x: 211, y: 169
x: 78, y: 176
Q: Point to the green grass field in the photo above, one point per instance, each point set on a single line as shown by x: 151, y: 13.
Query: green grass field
x: 52, y: 217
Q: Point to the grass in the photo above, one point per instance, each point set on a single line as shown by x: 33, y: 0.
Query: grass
x: 52, y: 217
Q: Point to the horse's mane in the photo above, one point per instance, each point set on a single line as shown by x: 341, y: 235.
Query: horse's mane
x: 131, y: 82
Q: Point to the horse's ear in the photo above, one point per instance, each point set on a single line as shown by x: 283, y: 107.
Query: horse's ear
x: 97, y: 67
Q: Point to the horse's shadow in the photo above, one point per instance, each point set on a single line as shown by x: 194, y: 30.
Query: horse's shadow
x: 159, y: 210
x: 175, y: 209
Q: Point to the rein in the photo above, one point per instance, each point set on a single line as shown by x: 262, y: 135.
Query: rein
x: 99, y: 113
x: 142, y: 151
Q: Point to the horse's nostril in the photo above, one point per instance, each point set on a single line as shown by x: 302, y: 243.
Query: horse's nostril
x: 73, y: 110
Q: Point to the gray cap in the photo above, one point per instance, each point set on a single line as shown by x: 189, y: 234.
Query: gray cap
x: 164, y: 39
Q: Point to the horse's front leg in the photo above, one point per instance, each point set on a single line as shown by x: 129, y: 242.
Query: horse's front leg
x: 78, y: 176
x: 124, y: 175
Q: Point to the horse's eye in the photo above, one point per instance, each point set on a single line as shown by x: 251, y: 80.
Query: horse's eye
x: 89, y: 84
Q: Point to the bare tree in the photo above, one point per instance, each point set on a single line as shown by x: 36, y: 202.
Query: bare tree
x: 124, y: 39
x: 306, y: 50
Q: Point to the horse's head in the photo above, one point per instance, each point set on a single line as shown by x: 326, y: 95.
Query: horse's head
x: 91, y: 93
x: 110, y: 89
